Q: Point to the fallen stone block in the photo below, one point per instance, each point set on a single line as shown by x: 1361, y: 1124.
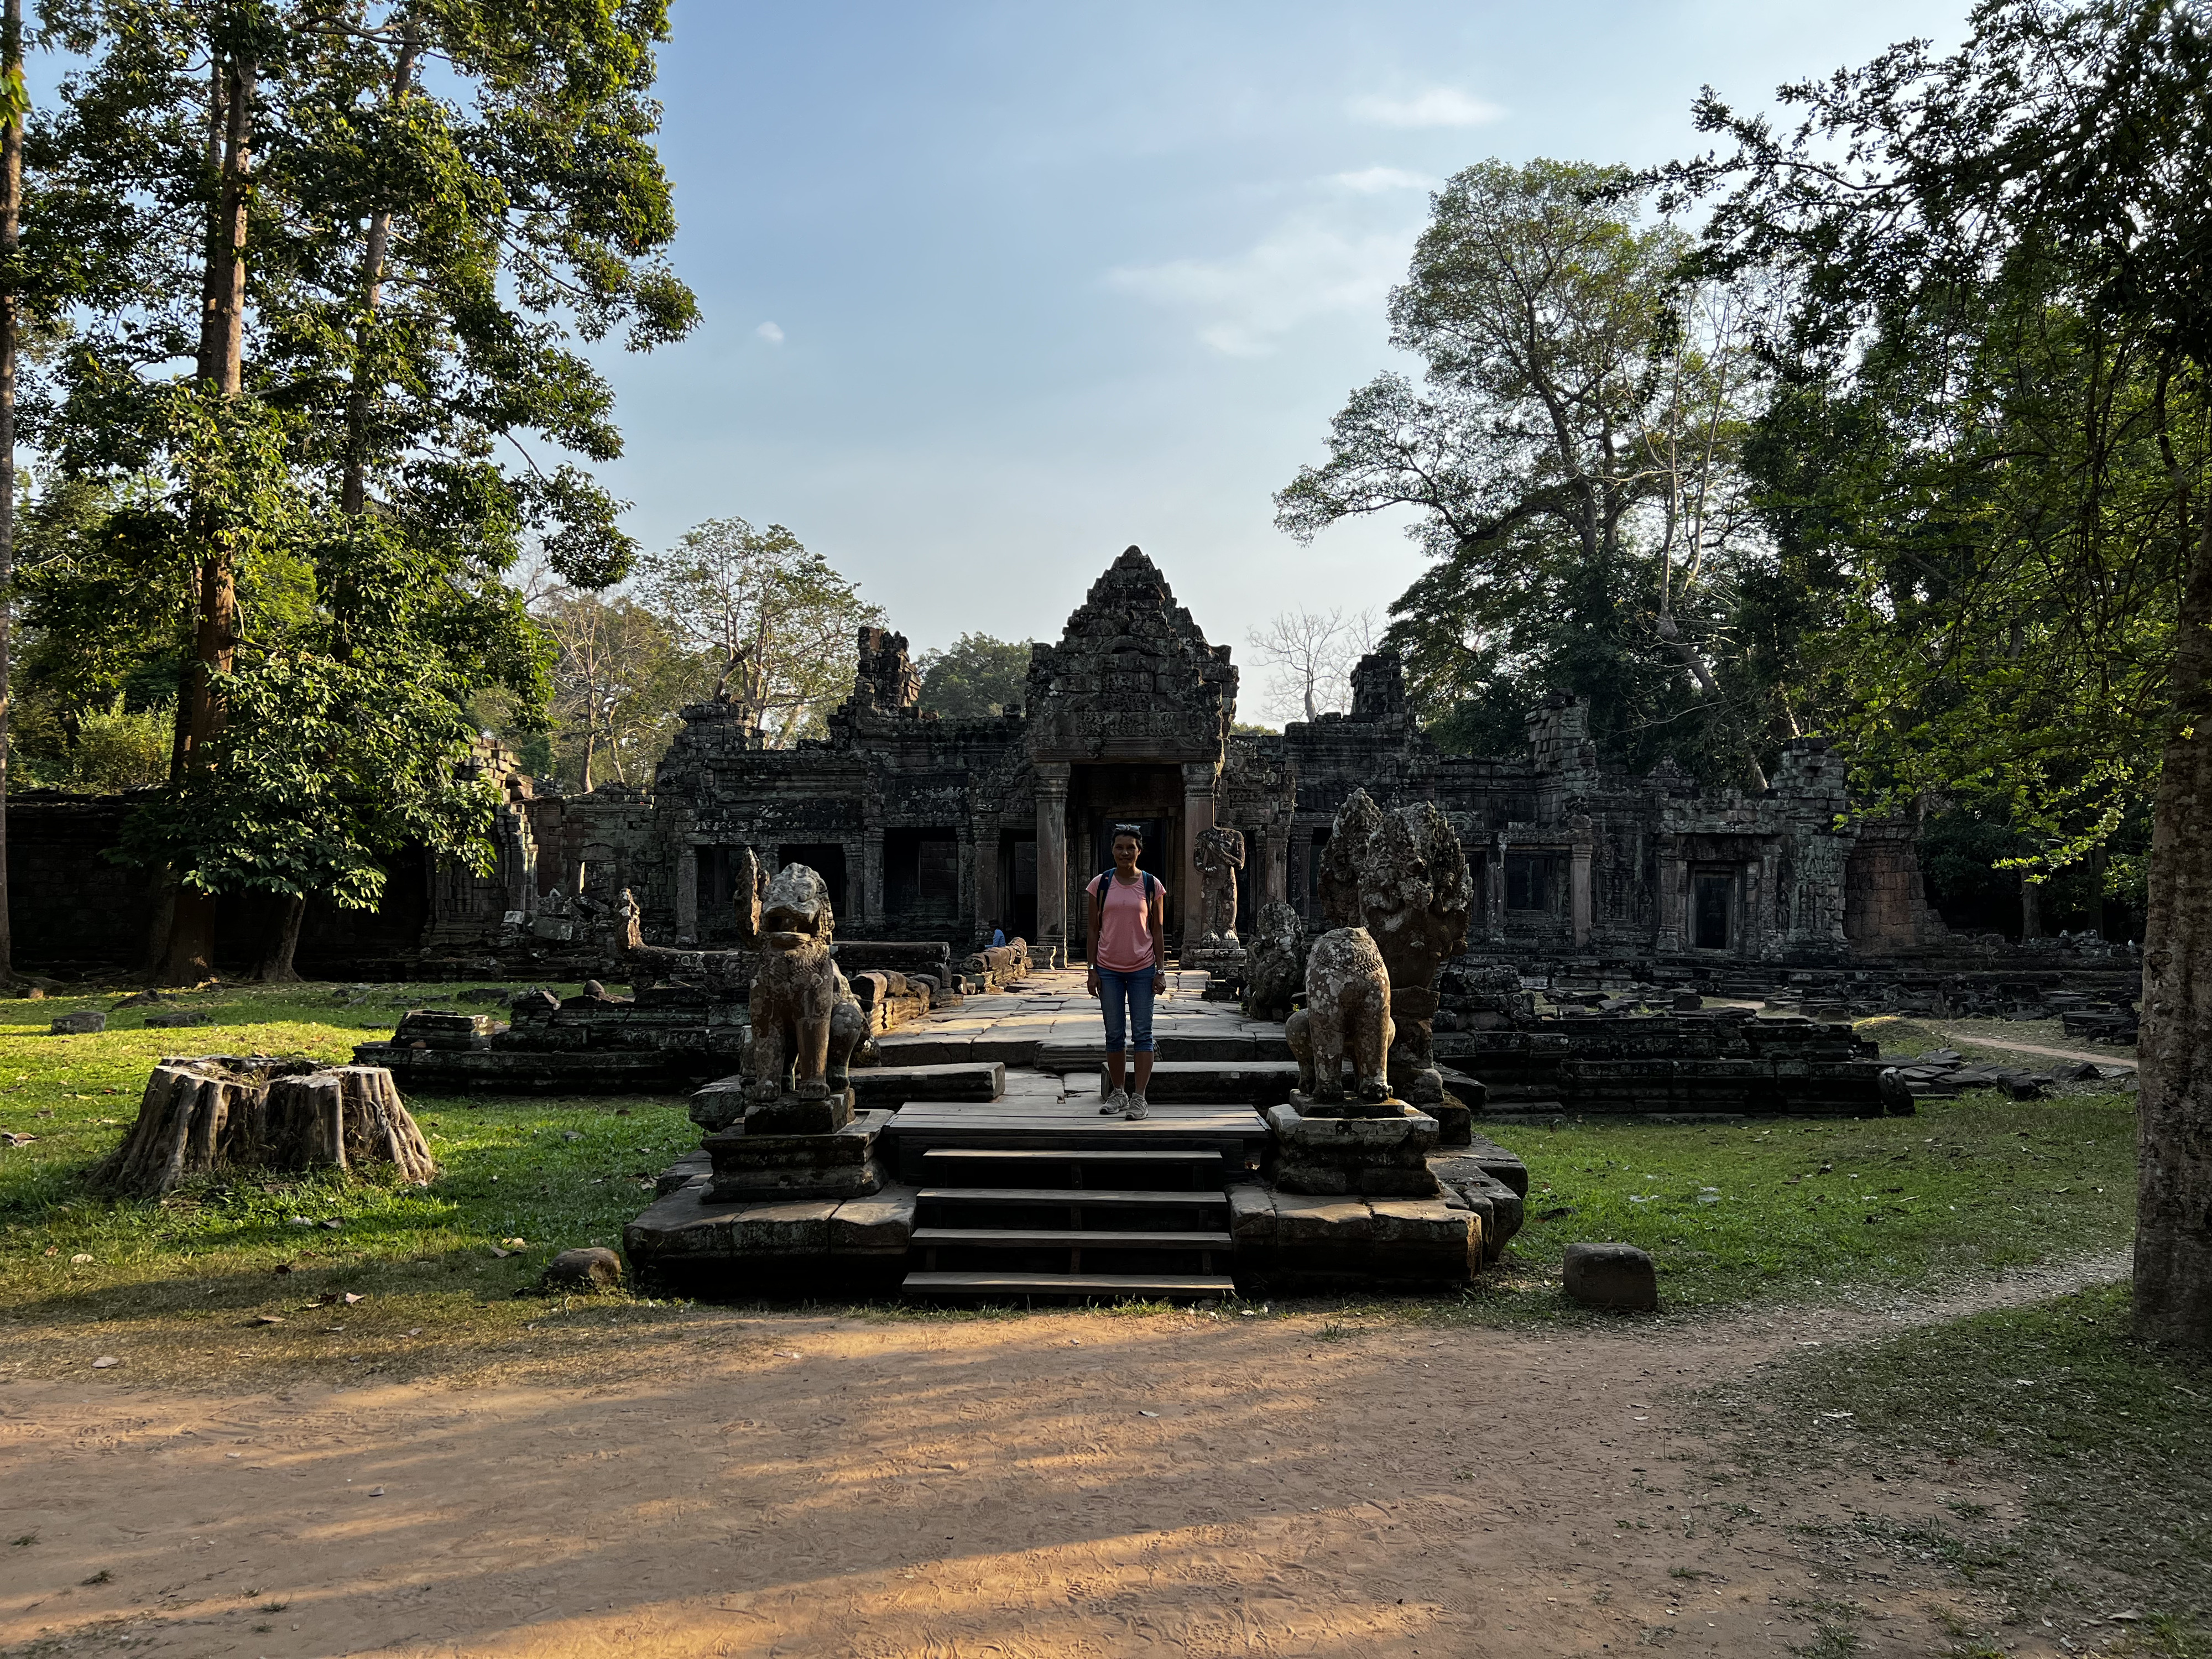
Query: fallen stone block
x: 589, y: 1269
x: 83, y: 1023
x: 1619, y: 1277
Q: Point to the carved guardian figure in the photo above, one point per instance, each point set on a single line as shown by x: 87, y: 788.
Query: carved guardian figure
x: 1274, y: 963
x: 805, y: 1020
x: 1347, y: 1015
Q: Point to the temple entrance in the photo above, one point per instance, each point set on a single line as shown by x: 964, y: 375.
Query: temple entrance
x: 1713, y: 897
x: 1101, y: 796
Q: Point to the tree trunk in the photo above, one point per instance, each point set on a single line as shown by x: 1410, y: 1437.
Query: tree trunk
x: 274, y: 967
x: 11, y: 207
x: 354, y: 491
x: 190, y: 956
x: 202, y: 1117
x: 2031, y: 909
x: 2173, y: 1112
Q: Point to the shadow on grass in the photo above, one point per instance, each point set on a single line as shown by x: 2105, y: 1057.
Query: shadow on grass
x: 2105, y: 1434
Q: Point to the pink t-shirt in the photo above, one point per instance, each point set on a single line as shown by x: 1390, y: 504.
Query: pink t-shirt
x: 1124, y: 933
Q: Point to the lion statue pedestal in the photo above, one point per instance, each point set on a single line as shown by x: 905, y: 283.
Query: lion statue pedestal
x: 789, y: 1127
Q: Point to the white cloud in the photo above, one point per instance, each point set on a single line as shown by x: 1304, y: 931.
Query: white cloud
x: 1373, y: 181
x: 1304, y: 268
x: 770, y: 332
x: 1439, y: 106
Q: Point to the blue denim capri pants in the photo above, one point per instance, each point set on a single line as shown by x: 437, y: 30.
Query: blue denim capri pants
x: 1127, y: 999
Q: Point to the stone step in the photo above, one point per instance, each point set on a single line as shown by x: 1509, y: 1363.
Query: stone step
x: 1077, y: 1284
x: 1254, y: 1083
x: 1022, y: 1238
x: 894, y: 1085
x: 1013, y: 1164
x: 1074, y: 1197
x: 1265, y: 1044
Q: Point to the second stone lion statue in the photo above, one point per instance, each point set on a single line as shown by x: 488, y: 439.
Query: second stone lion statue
x: 806, y: 1019
x: 1347, y: 1016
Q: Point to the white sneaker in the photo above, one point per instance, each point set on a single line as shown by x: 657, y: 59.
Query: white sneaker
x: 1116, y: 1104
x: 1136, y: 1108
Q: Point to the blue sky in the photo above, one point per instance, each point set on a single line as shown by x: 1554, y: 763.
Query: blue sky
x: 992, y: 291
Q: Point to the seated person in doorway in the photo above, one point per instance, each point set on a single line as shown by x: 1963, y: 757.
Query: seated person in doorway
x: 998, y: 937
x: 1128, y: 960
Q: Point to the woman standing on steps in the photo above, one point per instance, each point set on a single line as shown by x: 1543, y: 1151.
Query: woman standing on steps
x: 1128, y: 957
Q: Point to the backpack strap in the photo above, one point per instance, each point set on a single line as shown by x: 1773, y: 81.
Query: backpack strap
x: 1151, y: 884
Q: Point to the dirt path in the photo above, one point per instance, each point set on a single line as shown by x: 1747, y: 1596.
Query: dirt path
x: 1975, y: 1039
x: 1057, y: 1485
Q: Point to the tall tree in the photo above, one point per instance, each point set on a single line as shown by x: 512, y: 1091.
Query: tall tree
x: 1571, y: 458
x: 15, y: 105
x: 777, y: 620
x: 388, y: 274
x: 2000, y: 261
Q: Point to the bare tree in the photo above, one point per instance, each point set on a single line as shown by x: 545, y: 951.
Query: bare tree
x: 618, y: 678
x: 1311, y: 654
x: 777, y: 620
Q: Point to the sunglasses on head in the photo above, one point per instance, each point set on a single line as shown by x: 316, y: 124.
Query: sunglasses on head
x: 1130, y: 830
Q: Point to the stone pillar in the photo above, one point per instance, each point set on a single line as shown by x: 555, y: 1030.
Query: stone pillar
x: 871, y: 882
x: 1494, y: 890
x: 1197, y: 816
x: 1578, y: 883
x: 984, y: 839
x: 1052, y: 858
x: 964, y: 902
x: 856, y: 883
x: 1673, y: 879
x: 687, y: 891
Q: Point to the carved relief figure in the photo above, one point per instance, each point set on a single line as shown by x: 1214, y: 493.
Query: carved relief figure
x: 1275, y: 961
x: 1219, y: 854
x: 805, y: 1020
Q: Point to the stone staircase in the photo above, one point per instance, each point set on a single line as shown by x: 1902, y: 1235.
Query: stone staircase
x: 1080, y: 1221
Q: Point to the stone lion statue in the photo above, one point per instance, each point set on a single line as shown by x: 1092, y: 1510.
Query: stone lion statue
x: 806, y: 1021
x: 1347, y: 1014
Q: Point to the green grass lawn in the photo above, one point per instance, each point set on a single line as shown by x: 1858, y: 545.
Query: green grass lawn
x: 176, y: 1287
x: 1735, y: 1213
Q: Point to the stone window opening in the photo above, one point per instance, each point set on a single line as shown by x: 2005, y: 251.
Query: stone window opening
x: 921, y: 875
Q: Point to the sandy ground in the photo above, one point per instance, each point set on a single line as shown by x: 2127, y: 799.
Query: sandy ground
x: 1061, y: 1485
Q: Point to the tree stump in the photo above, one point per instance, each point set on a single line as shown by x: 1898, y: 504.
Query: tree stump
x: 202, y: 1116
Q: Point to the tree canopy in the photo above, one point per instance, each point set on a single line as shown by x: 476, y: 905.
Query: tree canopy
x: 1991, y: 414
x: 311, y: 308
x: 974, y: 675
x: 1572, y: 458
